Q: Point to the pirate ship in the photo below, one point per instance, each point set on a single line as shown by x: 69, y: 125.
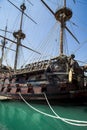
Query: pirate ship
x: 59, y: 78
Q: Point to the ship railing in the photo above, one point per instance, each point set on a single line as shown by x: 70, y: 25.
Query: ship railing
x: 58, y: 73
x: 41, y: 65
x: 33, y: 68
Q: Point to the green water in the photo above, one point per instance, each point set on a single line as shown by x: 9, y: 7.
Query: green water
x: 18, y: 116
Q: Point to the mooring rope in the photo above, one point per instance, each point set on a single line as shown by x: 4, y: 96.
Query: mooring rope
x: 64, y: 119
x: 68, y: 121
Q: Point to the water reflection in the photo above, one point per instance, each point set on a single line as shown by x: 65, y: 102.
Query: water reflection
x: 3, y: 127
x: 18, y: 116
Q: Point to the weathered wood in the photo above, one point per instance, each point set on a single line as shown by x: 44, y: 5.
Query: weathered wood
x: 5, y: 98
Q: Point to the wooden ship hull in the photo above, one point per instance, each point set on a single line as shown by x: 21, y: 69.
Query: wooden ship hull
x: 59, y: 83
x: 13, y: 94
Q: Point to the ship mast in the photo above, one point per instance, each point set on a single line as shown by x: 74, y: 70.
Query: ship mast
x: 3, y: 46
x: 64, y: 3
x: 62, y: 32
x: 19, y: 35
x: 62, y: 15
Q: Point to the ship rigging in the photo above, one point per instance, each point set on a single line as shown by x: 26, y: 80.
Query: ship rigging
x: 60, y: 77
x: 44, y: 48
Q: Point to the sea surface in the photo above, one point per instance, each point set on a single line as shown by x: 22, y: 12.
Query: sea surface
x: 19, y: 116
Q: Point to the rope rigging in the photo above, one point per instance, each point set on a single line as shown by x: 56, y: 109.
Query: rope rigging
x: 82, y: 2
x: 47, y: 44
x: 44, y: 46
x: 80, y: 46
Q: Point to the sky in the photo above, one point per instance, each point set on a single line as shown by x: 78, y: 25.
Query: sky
x: 44, y: 36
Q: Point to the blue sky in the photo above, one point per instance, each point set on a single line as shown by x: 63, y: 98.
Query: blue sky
x: 44, y: 36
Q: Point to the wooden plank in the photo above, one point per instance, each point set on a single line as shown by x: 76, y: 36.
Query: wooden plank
x: 4, y: 98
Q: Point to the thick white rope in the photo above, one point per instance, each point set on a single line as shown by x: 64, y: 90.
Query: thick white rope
x: 70, y: 121
x: 55, y: 117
